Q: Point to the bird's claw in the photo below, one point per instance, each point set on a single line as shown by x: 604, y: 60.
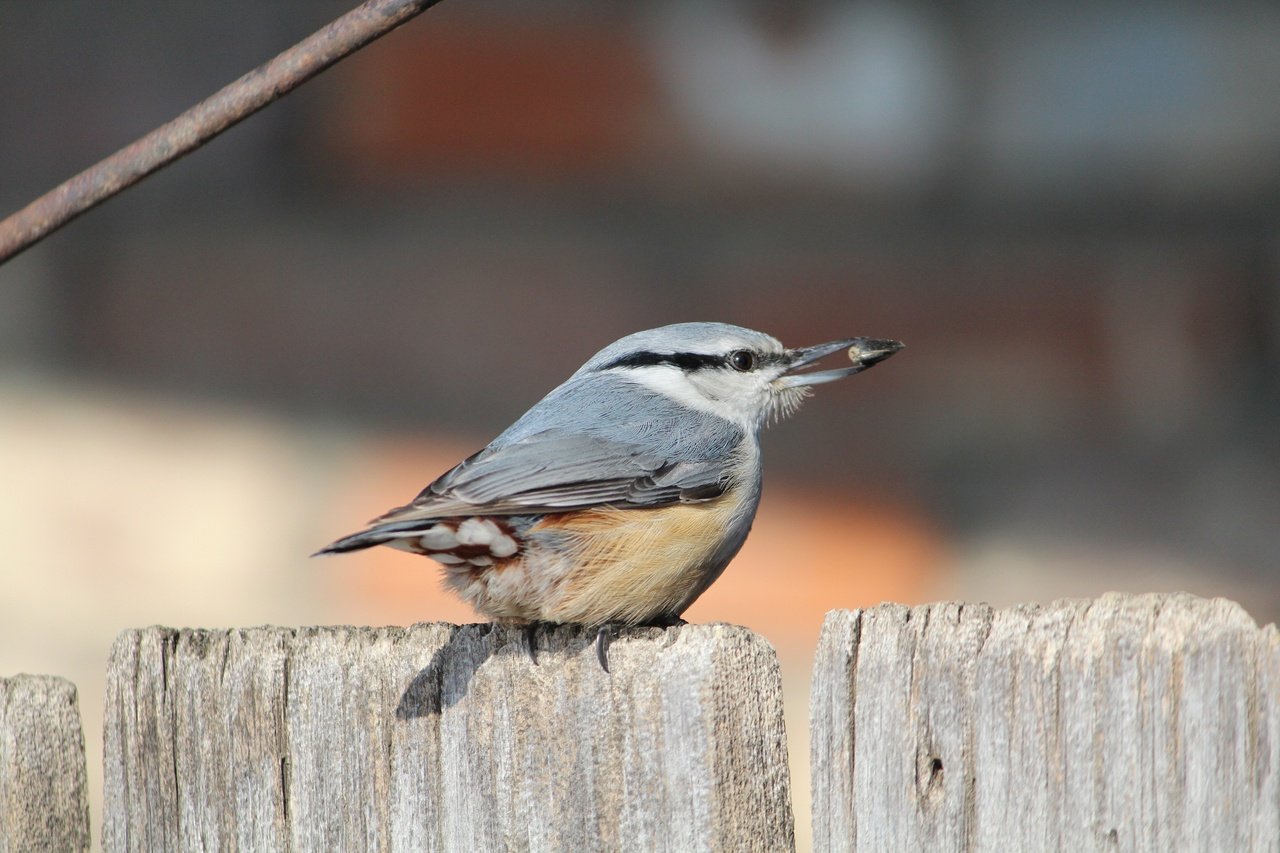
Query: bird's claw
x: 531, y: 639
x: 607, y: 634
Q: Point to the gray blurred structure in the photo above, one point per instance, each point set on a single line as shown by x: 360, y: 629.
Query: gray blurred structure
x: 1068, y: 213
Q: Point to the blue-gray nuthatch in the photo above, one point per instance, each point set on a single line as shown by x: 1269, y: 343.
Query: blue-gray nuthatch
x: 623, y: 494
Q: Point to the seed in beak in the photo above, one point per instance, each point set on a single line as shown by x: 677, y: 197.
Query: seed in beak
x: 869, y: 351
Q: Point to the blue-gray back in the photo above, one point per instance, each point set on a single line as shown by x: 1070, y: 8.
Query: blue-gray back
x: 598, y: 438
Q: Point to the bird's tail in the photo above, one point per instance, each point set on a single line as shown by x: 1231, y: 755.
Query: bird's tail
x: 378, y: 533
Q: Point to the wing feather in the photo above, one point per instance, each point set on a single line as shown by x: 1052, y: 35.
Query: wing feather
x: 556, y: 473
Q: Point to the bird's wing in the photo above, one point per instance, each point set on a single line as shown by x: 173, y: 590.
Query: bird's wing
x: 555, y: 471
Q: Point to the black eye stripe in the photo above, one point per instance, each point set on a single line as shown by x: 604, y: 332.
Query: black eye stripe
x: 687, y: 360
x: 682, y: 360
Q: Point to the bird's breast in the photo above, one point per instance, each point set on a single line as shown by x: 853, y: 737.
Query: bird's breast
x: 635, y: 565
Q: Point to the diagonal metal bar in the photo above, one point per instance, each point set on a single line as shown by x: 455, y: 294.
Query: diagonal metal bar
x: 204, y: 121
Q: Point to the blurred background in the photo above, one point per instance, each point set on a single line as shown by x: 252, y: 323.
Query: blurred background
x: 1069, y: 212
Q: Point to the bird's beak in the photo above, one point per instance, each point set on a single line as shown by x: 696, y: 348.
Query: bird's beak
x: 863, y: 352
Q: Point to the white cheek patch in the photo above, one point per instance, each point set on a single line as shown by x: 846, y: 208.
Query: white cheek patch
x: 716, y: 397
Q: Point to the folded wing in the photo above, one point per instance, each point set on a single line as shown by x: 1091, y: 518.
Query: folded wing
x: 556, y: 472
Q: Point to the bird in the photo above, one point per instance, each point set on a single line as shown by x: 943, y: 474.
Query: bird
x: 622, y: 495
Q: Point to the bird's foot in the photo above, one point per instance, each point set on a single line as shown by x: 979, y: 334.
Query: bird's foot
x: 608, y: 632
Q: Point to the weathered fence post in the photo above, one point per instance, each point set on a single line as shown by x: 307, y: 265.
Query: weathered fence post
x: 44, y: 803
x: 439, y: 737
x: 1130, y: 722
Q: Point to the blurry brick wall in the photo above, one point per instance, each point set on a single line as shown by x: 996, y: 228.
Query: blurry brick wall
x: 471, y: 96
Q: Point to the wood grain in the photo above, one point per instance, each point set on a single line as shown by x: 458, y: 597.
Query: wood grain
x: 44, y: 800
x: 1131, y: 722
x: 440, y: 737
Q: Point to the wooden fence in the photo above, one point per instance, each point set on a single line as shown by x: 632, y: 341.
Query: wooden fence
x: 44, y: 801
x: 1125, y: 723
x: 440, y: 737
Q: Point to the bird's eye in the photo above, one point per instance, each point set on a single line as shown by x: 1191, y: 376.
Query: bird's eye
x: 742, y: 360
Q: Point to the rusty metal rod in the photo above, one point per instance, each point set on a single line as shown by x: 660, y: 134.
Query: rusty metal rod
x: 204, y: 121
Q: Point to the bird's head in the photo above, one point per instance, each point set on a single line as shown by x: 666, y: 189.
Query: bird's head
x: 739, y: 374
